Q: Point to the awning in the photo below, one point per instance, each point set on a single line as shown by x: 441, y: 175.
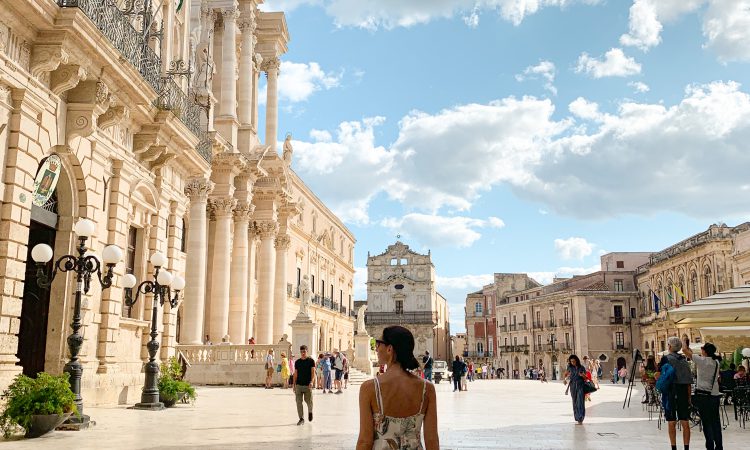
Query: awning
x: 730, y: 308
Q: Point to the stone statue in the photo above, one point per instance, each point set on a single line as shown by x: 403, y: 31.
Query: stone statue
x: 206, y: 69
x: 288, y: 150
x: 361, y: 320
x: 304, y: 289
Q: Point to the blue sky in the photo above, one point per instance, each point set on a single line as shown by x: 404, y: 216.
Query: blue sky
x: 519, y: 135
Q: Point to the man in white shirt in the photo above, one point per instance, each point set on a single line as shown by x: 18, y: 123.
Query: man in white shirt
x: 270, y: 367
x: 338, y: 365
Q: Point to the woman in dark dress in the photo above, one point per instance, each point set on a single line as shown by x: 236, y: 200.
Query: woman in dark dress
x: 576, y: 376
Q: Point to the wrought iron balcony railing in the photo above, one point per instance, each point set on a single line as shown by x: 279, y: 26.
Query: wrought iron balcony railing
x: 117, y: 27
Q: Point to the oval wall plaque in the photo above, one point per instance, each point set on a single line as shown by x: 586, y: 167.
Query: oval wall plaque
x: 46, y: 180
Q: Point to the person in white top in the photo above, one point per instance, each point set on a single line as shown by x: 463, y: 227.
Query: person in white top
x: 270, y: 367
x: 707, y: 396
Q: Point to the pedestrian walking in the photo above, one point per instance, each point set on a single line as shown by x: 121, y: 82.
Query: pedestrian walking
x: 707, y: 395
x: 319, y: 371
x: 459, y: 367
x: 270, y: 367
x: 396, y: 406
x: 327, y: 384
x: 304, y: 374
x: 284, y: 371
x: 427, y: 362
x: 338, y: 367
x: 575, y: 376
x: 674, y: 380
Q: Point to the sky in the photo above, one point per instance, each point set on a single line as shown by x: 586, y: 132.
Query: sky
x: 525, y: 136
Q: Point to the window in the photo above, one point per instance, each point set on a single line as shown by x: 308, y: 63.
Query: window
x: 525, y: 340
x: 394, y: 261
x: 618, y: 311
x: 399, y: 306
x: 620, y: 264
x: 399, y: 286
x: 566, y: 314
x: 632, y: 313
x: 515, y: 341
x: 506, y: 342
x: 323, y: 288
x: 183, y: 236
x: 478, y: 308
x: 130, y: 263
x: 708, y: 288
x: 539, y: 340
x: 514, y: 321
x: 299, y: 280
x: 538, y: 318
x: 505, y: 321
x: 312, y: 283
x: 620, y: 340
x: 524, y: 318
x: 480, y: 347
x: 567, y: 340
x: 662, y: 346
x: 693, y: 286
x: 618, y: 286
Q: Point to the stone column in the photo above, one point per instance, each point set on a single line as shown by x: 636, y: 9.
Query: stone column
x: 257, y: 60
x: 267, y: 231
x: 271, y: 67
x: 251, y: 287
x: 228, y: 104
x: 197, y: 189
x: 247, y: 69
x: 280, y: 294
x: 220, y: 279
x: 238, y: 274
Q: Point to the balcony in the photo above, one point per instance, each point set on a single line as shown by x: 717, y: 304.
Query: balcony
x: 133, y: 45
x: 618, y: 320
x: 566, y: 323
x: 621, y: 348
x: 393, y: 318
x: 518, y: 326
x: 537, y: 325
x: 552, y: 323
x: 502, y: 328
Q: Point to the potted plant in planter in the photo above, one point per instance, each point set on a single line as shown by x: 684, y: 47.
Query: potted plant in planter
x: 172, y: 388
x: 38, y: 405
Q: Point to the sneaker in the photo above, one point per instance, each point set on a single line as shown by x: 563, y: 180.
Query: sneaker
x: 301, y: 421
x: 309, y: 417
x: 339, y: 391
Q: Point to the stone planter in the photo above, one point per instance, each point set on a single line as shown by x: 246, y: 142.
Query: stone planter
x: 43, y: 424
x: 171, y: 402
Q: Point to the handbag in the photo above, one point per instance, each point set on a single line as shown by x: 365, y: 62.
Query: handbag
x: 589, y: 387
x: 278, y: 368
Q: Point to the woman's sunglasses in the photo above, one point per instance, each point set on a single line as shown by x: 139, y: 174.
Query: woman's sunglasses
x: 380, y: 342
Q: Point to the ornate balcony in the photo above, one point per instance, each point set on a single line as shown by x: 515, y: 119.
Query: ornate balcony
x: 618, y: 320
x: 537, y: 325
x: 393, y: 318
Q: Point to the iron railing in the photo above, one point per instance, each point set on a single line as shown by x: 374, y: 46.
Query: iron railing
x: 379, y: 318
x: 117, y: 27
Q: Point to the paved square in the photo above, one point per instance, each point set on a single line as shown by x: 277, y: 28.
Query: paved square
x: 493, y: 414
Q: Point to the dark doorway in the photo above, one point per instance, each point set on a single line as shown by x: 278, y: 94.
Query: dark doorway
x: 32, y: 333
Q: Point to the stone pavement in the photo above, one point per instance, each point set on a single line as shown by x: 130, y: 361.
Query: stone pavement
x: 493, y: 414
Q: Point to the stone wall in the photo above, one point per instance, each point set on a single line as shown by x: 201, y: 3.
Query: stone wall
x: 231, y: 364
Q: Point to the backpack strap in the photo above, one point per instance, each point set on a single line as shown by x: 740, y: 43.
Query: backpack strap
x: 378, y: 397
x: 424, y: 392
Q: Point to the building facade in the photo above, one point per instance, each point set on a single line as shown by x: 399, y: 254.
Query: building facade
x: 584, y: 315
x: 401, y: 291
x: 162, y: 153
x: 694, y: 268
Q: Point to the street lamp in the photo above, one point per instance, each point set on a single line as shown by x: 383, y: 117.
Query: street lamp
x: 84, y: 265
x: 161, y: 288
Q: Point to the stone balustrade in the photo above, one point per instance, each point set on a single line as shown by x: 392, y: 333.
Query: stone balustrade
x: 228, y: 364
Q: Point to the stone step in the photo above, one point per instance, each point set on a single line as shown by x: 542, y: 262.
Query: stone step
x: 356, y: 377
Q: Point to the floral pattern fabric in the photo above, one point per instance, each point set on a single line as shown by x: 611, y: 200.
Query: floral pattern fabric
x: 397, y: 433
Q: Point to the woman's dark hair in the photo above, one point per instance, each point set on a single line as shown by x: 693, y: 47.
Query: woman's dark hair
x: 732, y: 366
x: 575, y: 358
x: 457, y: 358
x: 710, y: 350
x: 402, y: 342
x: 651, y: 363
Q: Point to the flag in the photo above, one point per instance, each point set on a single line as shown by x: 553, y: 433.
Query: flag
x: 656, y: 302
x: 679, y: 291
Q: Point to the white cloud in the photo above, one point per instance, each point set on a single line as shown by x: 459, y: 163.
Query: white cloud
x: 639, y: 86
x: 613, y: 64
x: 640, y: 159
x: 374, y: 14
x: 585, y: 109
x: 439, y: 231
x: 468, y: 283
x: 563, y: 272
x: 726, y: 26
x: 646, y: 17
x: 298, y: 81
x: 544, y: 69
x: 573, y: 248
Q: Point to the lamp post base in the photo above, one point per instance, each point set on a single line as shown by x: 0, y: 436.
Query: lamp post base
x: 75, y: 423
x: 156, y: 406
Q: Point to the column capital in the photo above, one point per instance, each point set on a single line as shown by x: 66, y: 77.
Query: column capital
x: 243, y: 211
x: 271, y: 65
x: 222, y: 206
x: 266, y: 228
x: 230, y: 14
x: 197, y: 189
x: 282, y: 242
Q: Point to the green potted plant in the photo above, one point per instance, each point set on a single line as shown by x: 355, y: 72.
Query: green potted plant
x: 172, y: 388
x: 38, y: 405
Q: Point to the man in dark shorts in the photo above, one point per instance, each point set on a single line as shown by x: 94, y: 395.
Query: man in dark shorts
x: 679, y: 393
x: 304, y: 374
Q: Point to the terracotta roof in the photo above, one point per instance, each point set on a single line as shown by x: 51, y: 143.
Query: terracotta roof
x: 598, y: 286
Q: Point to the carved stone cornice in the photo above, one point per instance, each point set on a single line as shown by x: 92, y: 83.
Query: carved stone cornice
x: 66, y: 77
x: 86, y: 102
x: 153, y: 153
x: 222, y: 206
x: 197, y: 189
x: 282, y: 242
x: 271, y: 65
x: 46, y: 58
x: 144, y: 139
x: 226, y: 161
x: 243, y: 211
x: 266, y: 229
x: 163, y: 159
x: 112, y: 116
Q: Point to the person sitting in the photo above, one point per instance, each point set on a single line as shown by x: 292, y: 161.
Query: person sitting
x: 727, y: 383
x: 741, y: 374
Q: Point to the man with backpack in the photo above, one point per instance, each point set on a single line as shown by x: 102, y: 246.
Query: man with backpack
x: 674, y: 380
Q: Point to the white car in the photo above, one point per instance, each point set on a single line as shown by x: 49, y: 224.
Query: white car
x: 440, y: 371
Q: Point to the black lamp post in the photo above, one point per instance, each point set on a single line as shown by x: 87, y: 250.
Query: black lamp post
x: 162, y: 291
x: 84, y: 267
